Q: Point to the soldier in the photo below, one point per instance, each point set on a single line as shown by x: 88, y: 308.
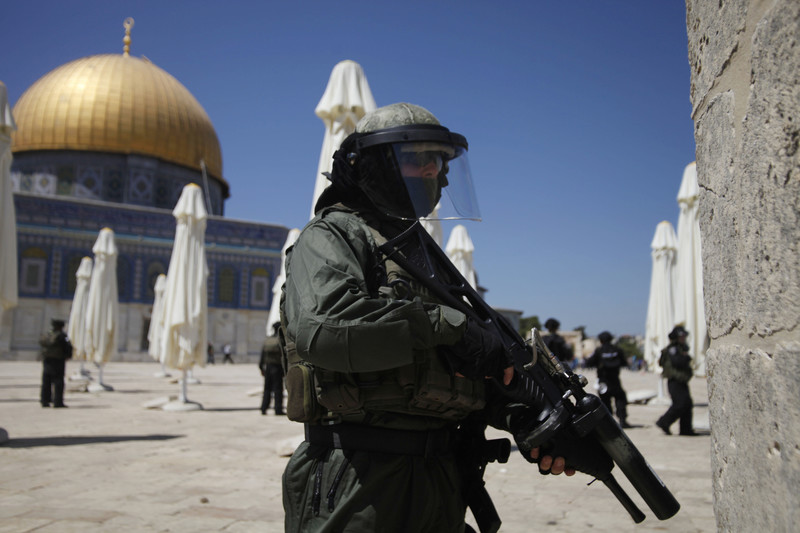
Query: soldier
x: 556, y: 343
x: 55, y: 350
x: 609, y: 358
x: 271, y: 369
x: 677, y: 365
x: 380, y: 372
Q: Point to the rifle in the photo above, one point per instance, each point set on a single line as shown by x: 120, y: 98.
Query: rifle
x: 540, y: 381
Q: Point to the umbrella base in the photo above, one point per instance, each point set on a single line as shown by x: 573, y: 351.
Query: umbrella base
x: 660, y: 400
x: 99, y: 387
x: 158, y: 403
x: 179, y: 405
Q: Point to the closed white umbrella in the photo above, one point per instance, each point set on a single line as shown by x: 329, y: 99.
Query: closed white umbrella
x: 274, y: 310
x: 154, y: 332
x: 185, y: 312
x: 76, y: 329
x: 689, y: 305
x: 434, y: 226
x: 102, y: 307
x: 460, y: 249
x: 660, y: 308
x: 347, y: 98
x: 8, y: 222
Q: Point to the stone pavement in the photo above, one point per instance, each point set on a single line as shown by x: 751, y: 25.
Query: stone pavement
x: 108, y: 463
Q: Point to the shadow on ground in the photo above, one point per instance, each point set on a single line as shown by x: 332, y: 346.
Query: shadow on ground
x: 72, y: 441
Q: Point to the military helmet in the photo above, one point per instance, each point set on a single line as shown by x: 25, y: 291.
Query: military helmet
x: 552, y: 324
x: 605, y: 337
x: 391, y: 116
x: 400, y: 158
x: 677, y: 331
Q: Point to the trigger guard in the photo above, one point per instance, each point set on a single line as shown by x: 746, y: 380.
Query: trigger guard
x: 548, y: 428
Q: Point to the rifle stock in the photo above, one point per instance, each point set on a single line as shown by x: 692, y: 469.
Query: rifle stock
x: 540, y: 380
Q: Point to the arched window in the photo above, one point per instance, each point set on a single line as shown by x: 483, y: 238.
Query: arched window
x: 226, y: 285
x: 33, y: 268
x: 154, y: 269
x: 259, y: 287
x: 72, y: 268
x: 124, y: 284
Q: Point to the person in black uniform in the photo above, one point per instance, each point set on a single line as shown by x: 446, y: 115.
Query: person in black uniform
x: 677, y: 365
x: 271, y: 369
x: 55, y: 350
x: 556, y: 343
x: 608, y: 359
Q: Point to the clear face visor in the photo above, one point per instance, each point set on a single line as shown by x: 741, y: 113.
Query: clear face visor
x: 429, y: 169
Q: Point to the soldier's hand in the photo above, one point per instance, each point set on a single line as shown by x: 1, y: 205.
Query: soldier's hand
x: 550, y: 465
x: 479, y: 353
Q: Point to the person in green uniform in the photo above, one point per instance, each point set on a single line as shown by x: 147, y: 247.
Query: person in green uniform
x: 677, y: 365
x: 272, y: 371
x: 380, y: 372
x: 54, y: 352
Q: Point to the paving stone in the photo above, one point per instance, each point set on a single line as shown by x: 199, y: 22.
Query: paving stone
x: 113, y: 465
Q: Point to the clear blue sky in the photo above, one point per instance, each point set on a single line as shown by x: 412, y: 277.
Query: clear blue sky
x: 577, y: 114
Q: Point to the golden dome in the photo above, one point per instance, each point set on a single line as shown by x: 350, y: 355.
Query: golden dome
x: 120, y: 104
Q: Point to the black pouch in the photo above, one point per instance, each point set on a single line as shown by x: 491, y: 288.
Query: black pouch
x: 301, y: 386
x: 301, y: 403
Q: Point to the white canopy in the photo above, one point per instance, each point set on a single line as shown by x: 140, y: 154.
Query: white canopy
x: 347, y: 98
x: 689, y: 305
x: 660, y: 308
x: 185, y: 311
x: 8, y: 222
x: 434, y: 226
x: 102, y: 308
x: 76, y: 329
x: 154, y: 333
x: 275, y: 310
x: 459, y: 249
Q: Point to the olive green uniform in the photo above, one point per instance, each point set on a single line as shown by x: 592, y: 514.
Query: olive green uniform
x: 370, y: 334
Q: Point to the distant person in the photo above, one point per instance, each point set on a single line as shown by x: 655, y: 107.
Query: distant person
x: 210, y: 354
x: 55, y: 350
x: 226, y: 350
x: 638, y: 363
x: 677, y: 365
x: 608, y: 359
x: 272, y: 370
x: 556, y: 342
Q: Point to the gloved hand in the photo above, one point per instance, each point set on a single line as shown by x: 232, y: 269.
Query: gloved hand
x: 478, y: 354
x: 564, y: 452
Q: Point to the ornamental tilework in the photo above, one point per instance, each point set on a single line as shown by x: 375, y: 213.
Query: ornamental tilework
x: 44, y: 184
x: 140, y: 186
x: 65, y: 229
x: 113, y: 185
x: 89, y: 183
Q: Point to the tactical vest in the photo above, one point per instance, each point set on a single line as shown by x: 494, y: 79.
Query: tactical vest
x: 52, y: 347
x: 424, y: 388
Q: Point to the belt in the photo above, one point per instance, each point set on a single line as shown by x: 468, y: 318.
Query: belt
x: 382, y: 440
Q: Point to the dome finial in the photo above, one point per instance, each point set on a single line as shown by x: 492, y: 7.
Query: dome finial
x: 128, y: 24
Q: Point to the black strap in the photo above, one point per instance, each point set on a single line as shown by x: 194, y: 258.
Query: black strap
x: 382, y: 440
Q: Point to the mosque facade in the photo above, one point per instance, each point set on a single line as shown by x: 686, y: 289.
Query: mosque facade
x: 110, y: 141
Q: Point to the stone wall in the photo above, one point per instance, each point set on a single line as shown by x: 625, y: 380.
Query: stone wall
x: 745, y: 93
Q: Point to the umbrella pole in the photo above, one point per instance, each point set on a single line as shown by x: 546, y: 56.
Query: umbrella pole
x: 100, y: 385
x: 182, y: 399
x: 182, y: 403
